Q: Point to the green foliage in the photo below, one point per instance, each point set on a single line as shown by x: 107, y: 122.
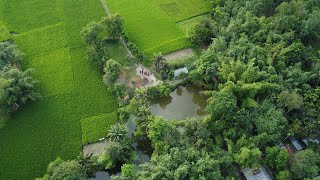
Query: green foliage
x: 277, y: 159
x: 158, y: 91
x: 20, y: 89
x: 111, y: 72
x: 96, y: 127
x: 4, y: 33
x: 161, y: 66
x: 61, y: 170
x: 52, y: 45
x: 117, y: 132
x: 9, y: 55
x: 248, y: 158
x: 201, y: 33
x: 290, y: 100
x: 305, y: 164
x: 159, y: 129
x: 220, y: 104
x: 92, y: 34
x: 142, y: 16
x: 115, y: 152
x: 284, y: 175
x: 114, y: 23
x: 270, y: 120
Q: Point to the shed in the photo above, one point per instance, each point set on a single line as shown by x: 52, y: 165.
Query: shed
x: 177, y: 72
x: 259, y: 174
x: 297, y: 145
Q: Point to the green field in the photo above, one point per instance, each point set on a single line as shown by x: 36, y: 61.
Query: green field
x: 151, y: 24
x: 72, y: 89
x: 4, y: 33
x: 96, y: 127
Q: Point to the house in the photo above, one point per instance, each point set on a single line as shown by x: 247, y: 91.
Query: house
x: 296, y: 144
x: 258, y: 174
x: 179, y: 71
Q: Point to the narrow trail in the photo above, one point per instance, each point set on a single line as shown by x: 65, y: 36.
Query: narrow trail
x: 106, y: 9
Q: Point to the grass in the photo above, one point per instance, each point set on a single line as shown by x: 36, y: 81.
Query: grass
x: 151, y: 23
x: 185, y: 24
x: 180, y: 10
x: 96, y: 127
x: 116, y: 51
x: 72, y: 89
x: 4, y: 33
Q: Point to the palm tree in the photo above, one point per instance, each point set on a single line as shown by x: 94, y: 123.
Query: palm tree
x: 117, y: 132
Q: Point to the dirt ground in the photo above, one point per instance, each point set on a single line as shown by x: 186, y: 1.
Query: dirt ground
x: 95, y: 149
x: 185, y: 53
x: 137, y: 76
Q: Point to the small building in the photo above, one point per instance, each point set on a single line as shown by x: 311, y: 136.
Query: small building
x: 258, y: 174
x: 307, y: 141
x: 296, y: 144
x: 179, y: 71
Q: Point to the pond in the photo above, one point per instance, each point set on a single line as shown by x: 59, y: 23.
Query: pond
x: 182, y: 103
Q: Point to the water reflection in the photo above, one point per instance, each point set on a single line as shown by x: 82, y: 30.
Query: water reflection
x: 183, y: 102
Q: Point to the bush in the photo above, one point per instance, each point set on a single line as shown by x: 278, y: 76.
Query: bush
x: 19, y: 88
x: 158, y: 91
x: 96, y: 127
x: 136, y: 52
x: 111, y: 70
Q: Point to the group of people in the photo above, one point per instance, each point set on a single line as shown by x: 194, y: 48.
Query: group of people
x: 144, y: 72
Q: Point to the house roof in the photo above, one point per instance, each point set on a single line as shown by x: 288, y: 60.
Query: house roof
x: 296, y: 144
x: 177, y: 72
x: 260, y: 174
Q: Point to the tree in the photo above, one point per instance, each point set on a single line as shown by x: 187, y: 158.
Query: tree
x: 270, y: 120
x: 115, y: 152
x: 9, y: 55
x: 201, y: 33
x: 284, y: 175
x: 20, y: 88
x: 92, y: 34
x: 161, y: 65
x: 290, y: 100
x: 277, y: 158
x: 111, y: 70
x: 114, y: 23
x: 221, y: 103
x: 62, y: 170
x: 305, y: 164
x: 117, y: 132
x: 248, y: 158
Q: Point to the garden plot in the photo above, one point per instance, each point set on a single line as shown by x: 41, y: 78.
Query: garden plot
x: 72, y: 89
x: 96, y: 127
x: 151, y: 24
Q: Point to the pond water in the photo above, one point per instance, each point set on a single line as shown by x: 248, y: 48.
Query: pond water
x: 182, y: 103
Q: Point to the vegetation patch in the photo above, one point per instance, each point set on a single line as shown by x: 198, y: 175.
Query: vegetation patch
x: 181, y: 9
x: 96, y: 127
x: 4, y: 33
x: 141, y: 18
x: 71, y: 88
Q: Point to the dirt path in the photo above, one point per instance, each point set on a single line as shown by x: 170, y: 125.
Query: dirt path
x: 106, y: 9
x: 185, y: 53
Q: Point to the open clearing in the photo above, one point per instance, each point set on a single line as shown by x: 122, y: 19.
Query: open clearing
x: 182, y: 54
x: 151, y: 24
x: 72, y: 89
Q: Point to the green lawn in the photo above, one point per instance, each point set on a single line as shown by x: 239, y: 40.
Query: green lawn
x: 96, y: 127
x: 72, y: 89
x: 180, y: 10
x: 116, y: 51
x: 4, y: 33
x: 151, y: 24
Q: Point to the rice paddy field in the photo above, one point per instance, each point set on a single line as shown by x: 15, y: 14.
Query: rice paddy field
x: 49, y: 35
x: 75, y: 102
x: 152, y: 24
